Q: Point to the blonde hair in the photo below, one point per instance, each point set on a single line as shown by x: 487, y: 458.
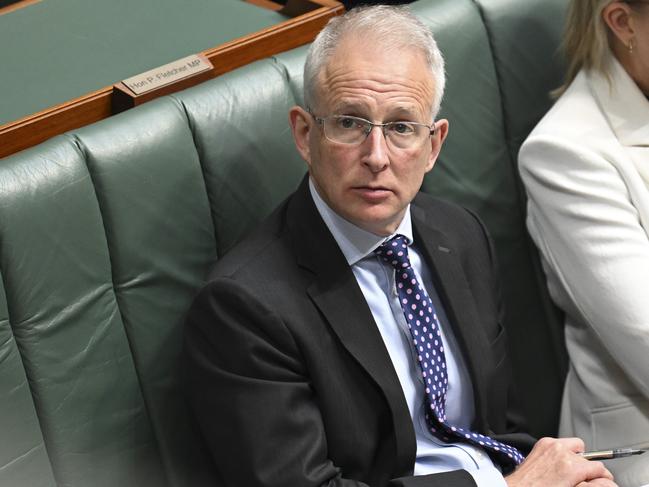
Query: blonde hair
x: 585, y: 39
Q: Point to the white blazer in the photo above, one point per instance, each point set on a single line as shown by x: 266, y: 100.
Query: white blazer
x: 586, y: 172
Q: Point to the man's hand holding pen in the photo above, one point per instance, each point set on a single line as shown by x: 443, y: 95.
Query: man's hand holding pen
x: 560, y: 462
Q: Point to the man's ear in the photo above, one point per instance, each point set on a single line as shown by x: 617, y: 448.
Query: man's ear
x: 617, y: 16
x: 436, y: 141
x: 301, y: 125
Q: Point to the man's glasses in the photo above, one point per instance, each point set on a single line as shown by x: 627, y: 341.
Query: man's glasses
x: 346, y: 129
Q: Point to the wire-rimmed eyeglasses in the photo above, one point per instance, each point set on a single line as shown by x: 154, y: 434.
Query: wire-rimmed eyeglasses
x: 350, y: 130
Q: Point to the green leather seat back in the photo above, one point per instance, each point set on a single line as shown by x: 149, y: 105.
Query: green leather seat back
x: 243, y: 139
x: 524, y: 37
x: 106, y: 236
x: 67, y: 322
x: 156, y: 218
x: 23, y: 459
x: 292, y: 63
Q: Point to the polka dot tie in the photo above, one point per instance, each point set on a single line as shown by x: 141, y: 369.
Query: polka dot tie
x: 427, y: 339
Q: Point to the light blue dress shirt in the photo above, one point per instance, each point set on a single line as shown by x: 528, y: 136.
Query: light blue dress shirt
x: 376, y: 280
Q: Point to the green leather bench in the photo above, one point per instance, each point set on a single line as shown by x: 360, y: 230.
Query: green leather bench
x: 107, y: 232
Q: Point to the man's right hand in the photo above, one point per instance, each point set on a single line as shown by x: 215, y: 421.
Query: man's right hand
x: 554, y: 462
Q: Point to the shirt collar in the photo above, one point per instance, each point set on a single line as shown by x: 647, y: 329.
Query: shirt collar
x: 354, y: 242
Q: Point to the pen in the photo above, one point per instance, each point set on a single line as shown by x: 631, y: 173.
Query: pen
x: 607, y: 454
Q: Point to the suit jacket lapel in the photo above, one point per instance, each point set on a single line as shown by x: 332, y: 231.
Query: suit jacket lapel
x: 336, y: 293
x: 623, y: 104
x: 455, y: 293
x: 626, y: 110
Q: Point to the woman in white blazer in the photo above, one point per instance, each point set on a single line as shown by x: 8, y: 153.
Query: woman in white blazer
x: 586, y: 171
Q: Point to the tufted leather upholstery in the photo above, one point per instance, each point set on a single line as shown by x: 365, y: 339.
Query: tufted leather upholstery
x: 106, y: 233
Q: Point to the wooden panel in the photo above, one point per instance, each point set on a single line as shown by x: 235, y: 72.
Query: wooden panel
x: 98, y: 105
x: 15, y: 6
x: 124, y: 98
x: 240, y: 52
x: 37, y: 128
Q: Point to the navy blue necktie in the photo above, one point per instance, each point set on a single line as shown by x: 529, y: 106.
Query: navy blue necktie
x: 427, y: 339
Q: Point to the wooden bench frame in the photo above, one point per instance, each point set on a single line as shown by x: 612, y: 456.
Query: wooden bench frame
x: 103, y: 103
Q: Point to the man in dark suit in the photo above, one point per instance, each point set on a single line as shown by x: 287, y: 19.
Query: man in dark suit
x: 355, y: 338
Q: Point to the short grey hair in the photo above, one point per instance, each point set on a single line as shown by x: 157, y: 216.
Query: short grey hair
x: 392, y: 26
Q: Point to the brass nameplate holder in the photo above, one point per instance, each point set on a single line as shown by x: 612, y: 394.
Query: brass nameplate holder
x: 167, y: 74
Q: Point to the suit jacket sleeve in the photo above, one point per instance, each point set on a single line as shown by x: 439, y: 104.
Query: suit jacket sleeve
x: 588, y: 230
x: 485, y: 280
x: 251, y: 394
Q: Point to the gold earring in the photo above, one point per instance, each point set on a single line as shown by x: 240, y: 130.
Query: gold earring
x: 630, y: 46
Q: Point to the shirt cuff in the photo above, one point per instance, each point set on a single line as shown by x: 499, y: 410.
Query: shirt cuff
x: 488, y: 477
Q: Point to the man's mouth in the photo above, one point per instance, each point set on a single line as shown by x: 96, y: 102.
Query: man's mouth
x: 372, y: 192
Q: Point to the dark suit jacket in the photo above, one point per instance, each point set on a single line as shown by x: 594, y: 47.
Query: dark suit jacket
x: 287, y: 372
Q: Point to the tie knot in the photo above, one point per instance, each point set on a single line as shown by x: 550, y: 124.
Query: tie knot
x: 395, y: 252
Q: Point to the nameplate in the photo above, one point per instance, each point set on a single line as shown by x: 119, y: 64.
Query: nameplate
x: 167, y: 74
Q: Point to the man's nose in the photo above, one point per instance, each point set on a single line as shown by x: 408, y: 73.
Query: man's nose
x: 375, y: 155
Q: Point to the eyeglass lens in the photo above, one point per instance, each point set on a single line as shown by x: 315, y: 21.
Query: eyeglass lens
x: 353, y: 130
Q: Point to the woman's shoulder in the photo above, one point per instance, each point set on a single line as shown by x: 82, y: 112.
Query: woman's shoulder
x: 576, y: 127
x: 575, y: 113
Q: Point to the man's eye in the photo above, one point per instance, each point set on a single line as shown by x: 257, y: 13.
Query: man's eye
x: 347, y: 123
x: 402, y: 128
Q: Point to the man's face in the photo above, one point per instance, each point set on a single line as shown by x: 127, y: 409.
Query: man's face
x: 372, y: 183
